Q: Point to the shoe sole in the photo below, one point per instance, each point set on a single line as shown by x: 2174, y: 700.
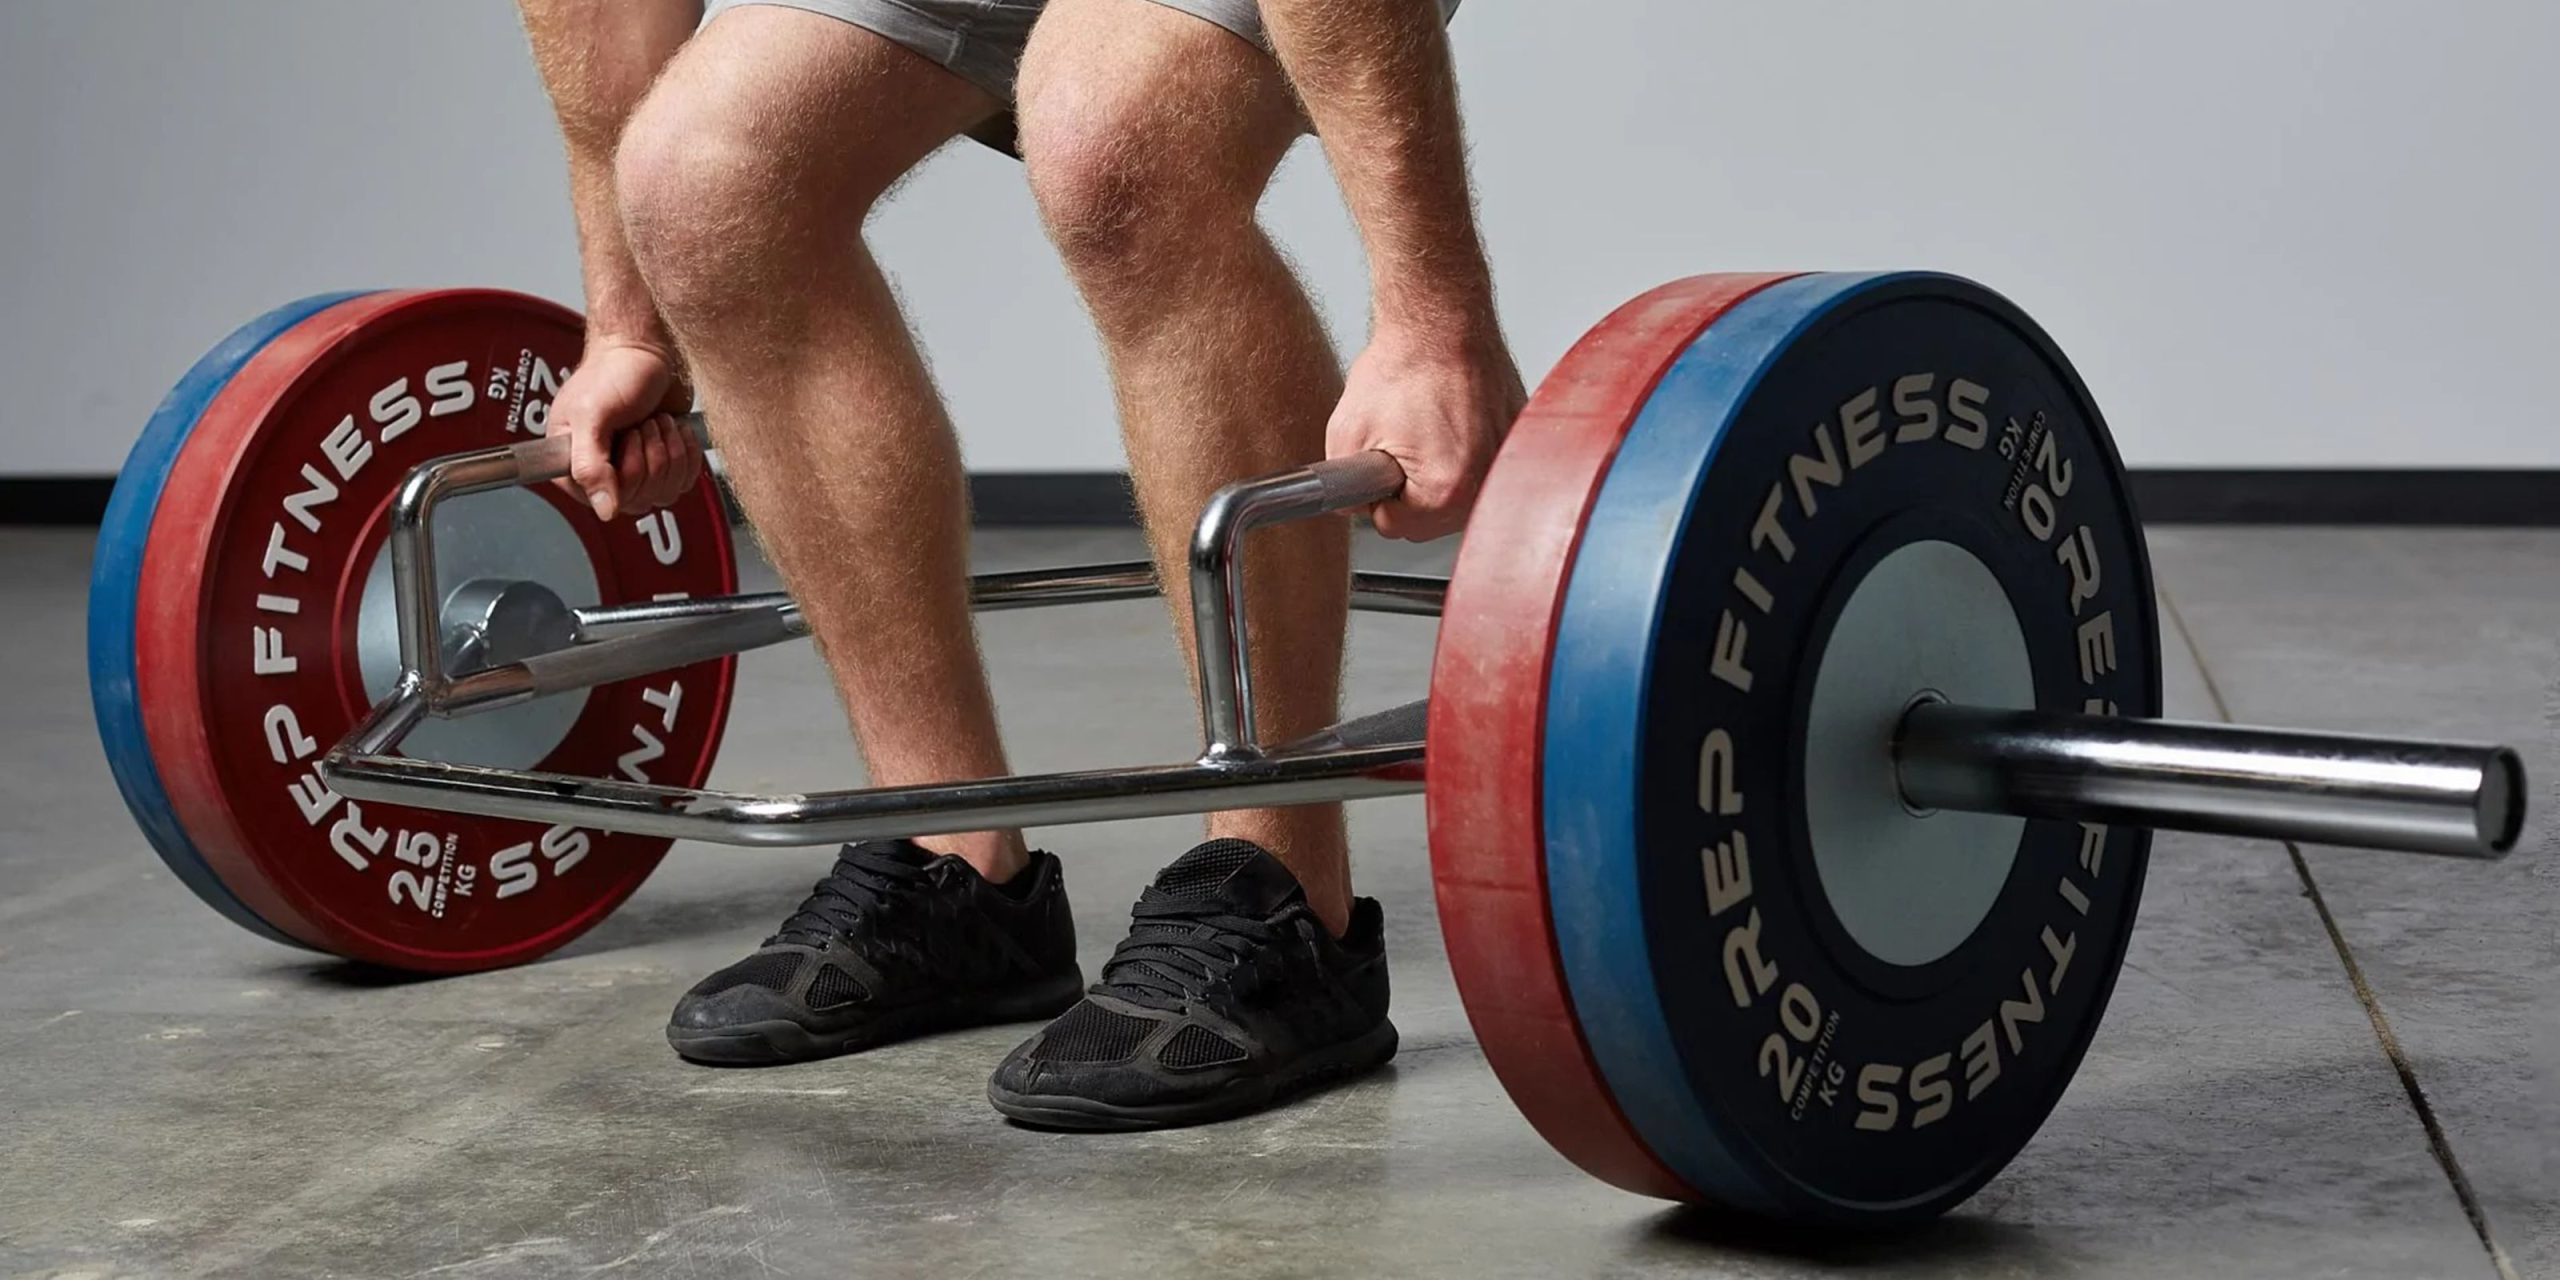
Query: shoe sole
x: 778, y: 1042
x: 1244, y: 1097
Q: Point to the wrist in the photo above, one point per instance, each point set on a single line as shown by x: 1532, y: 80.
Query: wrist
x: 626, y: 319
x: 652, y: 360
x: 645, y: 343
x: 1456, y: 330
x: 1443, y: 309
x: 620, y: 311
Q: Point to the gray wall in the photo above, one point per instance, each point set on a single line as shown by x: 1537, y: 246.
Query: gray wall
x: 2284, y: 234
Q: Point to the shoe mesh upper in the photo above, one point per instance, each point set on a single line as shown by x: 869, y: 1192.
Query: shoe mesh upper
x: 1206, y: 867
x: 1196, y: 1046
x: 771, y: 970
x: 1091, y: 1033
x: 834, y: 988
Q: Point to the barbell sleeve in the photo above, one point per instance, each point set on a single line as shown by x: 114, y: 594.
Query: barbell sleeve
x: 2380, y: 793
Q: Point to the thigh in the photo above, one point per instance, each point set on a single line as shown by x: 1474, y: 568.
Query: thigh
x: 978, y: 40
x: 1146, y: 90
x: 1244, y: 17
x: 791, y: 101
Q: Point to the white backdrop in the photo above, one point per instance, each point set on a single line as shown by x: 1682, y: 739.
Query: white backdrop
x: 2271, y: 232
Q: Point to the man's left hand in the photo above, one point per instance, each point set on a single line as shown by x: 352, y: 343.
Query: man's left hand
x: 1439, y: 402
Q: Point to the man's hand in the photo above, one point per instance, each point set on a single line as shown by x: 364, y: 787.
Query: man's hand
x: 1437, y: 402
x: 627, y: 452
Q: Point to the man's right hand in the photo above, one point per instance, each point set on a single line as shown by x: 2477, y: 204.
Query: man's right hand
x: 627, y: 452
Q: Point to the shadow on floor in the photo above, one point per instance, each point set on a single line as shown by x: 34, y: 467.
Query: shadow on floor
x: 1956, y: 1244
x: 353, y: 975
x: 746, y: 914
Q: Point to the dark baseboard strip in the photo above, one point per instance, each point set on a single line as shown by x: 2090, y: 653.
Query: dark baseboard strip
x: 54, y: 499
x: 2518, y: 497
x: 2430, y: 497
x: 1102, y: 498
x: 1088, y: 498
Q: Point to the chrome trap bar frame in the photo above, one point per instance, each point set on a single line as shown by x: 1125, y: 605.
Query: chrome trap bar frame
x: 2424, y: 797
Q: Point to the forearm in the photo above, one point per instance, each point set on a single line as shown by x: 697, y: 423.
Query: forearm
x: 1377, y: 80
x: 597, y: 59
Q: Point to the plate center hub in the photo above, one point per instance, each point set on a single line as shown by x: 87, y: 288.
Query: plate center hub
x: 1928, y: 621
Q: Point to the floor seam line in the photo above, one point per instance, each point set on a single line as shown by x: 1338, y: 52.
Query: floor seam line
x: 2439, y: 1144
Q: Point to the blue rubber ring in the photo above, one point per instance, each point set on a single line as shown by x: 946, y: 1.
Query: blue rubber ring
x: 1596, y: 706
x: 115, y: 584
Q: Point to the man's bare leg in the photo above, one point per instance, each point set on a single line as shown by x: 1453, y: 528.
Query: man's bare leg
x: 745, y: 179
x: 1150, y: 136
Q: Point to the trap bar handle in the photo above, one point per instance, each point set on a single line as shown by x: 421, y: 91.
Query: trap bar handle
x: 1217, y: 579
x: 416, y: 596
x: 628, y: 641
x: 2457, y: 799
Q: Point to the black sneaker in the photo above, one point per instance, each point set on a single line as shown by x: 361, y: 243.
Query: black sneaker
x: 894, y: 943
x: 1226, y: 997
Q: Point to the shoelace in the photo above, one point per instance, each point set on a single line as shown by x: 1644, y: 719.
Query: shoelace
x: 1177, y: 946
x: 860, y: 890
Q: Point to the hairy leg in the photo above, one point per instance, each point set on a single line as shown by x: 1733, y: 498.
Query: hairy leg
x: 1150, y: 136
x: 745, y: 179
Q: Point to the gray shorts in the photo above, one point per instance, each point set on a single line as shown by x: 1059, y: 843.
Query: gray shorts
x: 982, y: 40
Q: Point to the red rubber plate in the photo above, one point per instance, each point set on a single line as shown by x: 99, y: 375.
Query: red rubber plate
x: 1487, y: 724
x: 273, y: 517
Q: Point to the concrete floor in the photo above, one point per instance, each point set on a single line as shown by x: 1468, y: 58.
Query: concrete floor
x: 180, y: 1098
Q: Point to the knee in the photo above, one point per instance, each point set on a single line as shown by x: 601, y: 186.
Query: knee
x: 685, y: 193
x: 1121, y: 194
x: 715, y: 217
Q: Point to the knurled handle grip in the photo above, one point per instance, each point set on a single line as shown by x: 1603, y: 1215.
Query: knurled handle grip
x: 548, y: 457
x: 1362, y: 479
